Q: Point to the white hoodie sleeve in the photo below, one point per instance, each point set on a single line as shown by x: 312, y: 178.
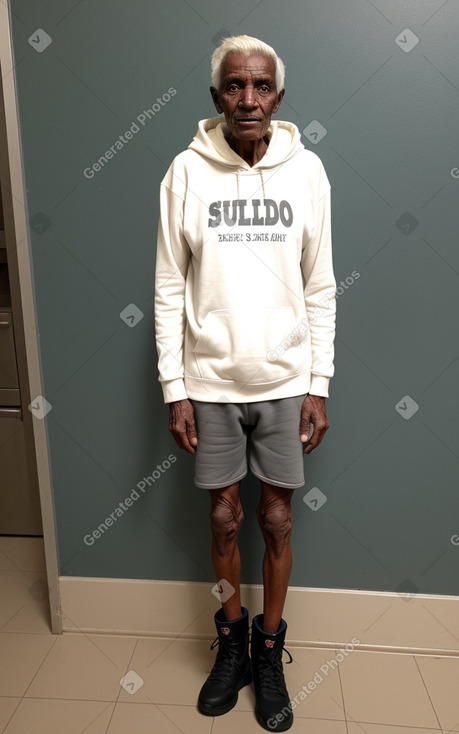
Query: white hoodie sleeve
x: 172, y: 259
x: 320, y: 291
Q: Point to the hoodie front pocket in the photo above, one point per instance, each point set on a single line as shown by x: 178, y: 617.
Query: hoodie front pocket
x: 238, y: 344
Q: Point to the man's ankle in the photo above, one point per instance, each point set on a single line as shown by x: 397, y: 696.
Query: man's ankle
x: 232, y: 615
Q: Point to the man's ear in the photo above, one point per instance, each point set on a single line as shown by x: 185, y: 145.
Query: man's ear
x: 279, y: 100
x: 216, y: 100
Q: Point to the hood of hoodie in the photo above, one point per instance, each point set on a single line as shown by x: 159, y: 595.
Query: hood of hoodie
x: 210, y: 142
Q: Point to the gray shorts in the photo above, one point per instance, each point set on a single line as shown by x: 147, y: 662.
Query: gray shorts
x: 267, y: 432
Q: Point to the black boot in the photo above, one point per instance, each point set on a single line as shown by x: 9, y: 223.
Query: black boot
x: 231, y: 670
x: 272, y: 707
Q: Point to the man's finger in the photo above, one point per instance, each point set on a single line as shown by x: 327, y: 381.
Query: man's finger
x: 316, y: 438
x: 188, y: 447
x: 306, y: 428
x: 183, y: 441
x: 182, y: 425
x: 305, y: 420
x: 192, y: 437
x: 306, y: 424
x: 313, y: 442
x: 181, y: 437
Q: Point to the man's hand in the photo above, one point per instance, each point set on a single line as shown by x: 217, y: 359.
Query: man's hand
x: 313, y: 411
x: 182, y: 425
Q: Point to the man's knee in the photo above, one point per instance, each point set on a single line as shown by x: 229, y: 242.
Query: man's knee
x: 275, y: 518
x: 226, y: 518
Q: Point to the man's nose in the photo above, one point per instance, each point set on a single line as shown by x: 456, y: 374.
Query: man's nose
x: 248, y: 97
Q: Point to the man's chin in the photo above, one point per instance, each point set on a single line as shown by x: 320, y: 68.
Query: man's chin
x: 249, y: 130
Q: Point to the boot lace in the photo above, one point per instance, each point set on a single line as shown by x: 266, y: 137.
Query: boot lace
x: 271, y: 675
x: 226, y: 660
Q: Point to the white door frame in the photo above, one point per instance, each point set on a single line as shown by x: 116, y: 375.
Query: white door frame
x: 28, y: 308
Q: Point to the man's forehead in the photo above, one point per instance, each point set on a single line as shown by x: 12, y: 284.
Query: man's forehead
x: 254, y: 65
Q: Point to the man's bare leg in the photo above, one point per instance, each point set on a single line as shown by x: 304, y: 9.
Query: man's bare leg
x: 231, y: 670
x: 226, y: 519
x: 275, y: 518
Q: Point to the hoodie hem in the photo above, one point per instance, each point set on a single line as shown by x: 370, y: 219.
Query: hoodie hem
x: 219, y: 391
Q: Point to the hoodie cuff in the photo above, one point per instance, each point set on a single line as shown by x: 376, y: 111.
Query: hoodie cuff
x: 319, y: 385
x: 174, y: 390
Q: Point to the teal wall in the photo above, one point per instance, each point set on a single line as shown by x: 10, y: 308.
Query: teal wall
x: 390, y: 111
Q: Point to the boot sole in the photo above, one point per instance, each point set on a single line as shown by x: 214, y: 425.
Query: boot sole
x: 219, y: 710
x: 279, y: 726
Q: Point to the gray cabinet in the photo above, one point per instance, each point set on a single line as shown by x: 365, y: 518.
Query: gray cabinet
x: 19, y: 501
x: 20, y: 512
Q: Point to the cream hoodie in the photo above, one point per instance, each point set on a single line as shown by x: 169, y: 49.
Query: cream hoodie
x: 245, y: 292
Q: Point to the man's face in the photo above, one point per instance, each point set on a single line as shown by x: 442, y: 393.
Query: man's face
x: 247, y: 95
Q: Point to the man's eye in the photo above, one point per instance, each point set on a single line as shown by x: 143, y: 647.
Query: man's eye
x: 264, y: 88
x: 233, y: 88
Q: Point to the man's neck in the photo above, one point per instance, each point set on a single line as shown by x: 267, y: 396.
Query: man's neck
x: 251, y: 151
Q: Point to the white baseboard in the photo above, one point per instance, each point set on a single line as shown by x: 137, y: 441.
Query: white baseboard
x: 389, y: 622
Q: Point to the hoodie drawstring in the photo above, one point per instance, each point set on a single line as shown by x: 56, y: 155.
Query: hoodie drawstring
x: 260, y: 170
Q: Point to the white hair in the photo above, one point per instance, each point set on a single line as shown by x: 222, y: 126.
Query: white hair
x: 245, y: 45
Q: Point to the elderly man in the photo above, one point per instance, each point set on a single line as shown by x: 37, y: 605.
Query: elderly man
x: 245, y: 323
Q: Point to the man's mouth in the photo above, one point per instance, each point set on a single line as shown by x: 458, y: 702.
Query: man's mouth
x: 247, y: 120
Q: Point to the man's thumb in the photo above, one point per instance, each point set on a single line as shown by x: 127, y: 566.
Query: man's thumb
x: 306, y: 429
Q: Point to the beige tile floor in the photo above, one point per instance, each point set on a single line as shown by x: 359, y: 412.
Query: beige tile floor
x: 70, y: 684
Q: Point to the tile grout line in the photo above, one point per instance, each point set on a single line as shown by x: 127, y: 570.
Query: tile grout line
x: 128, y: 667
x: 342, y: 696
x: 427, y: 691
x: 39, y: 667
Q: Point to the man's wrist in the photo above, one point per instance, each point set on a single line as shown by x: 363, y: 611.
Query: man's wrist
x: 319, y: 385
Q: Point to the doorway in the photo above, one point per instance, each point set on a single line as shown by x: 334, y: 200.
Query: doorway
x: 26, y: 503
